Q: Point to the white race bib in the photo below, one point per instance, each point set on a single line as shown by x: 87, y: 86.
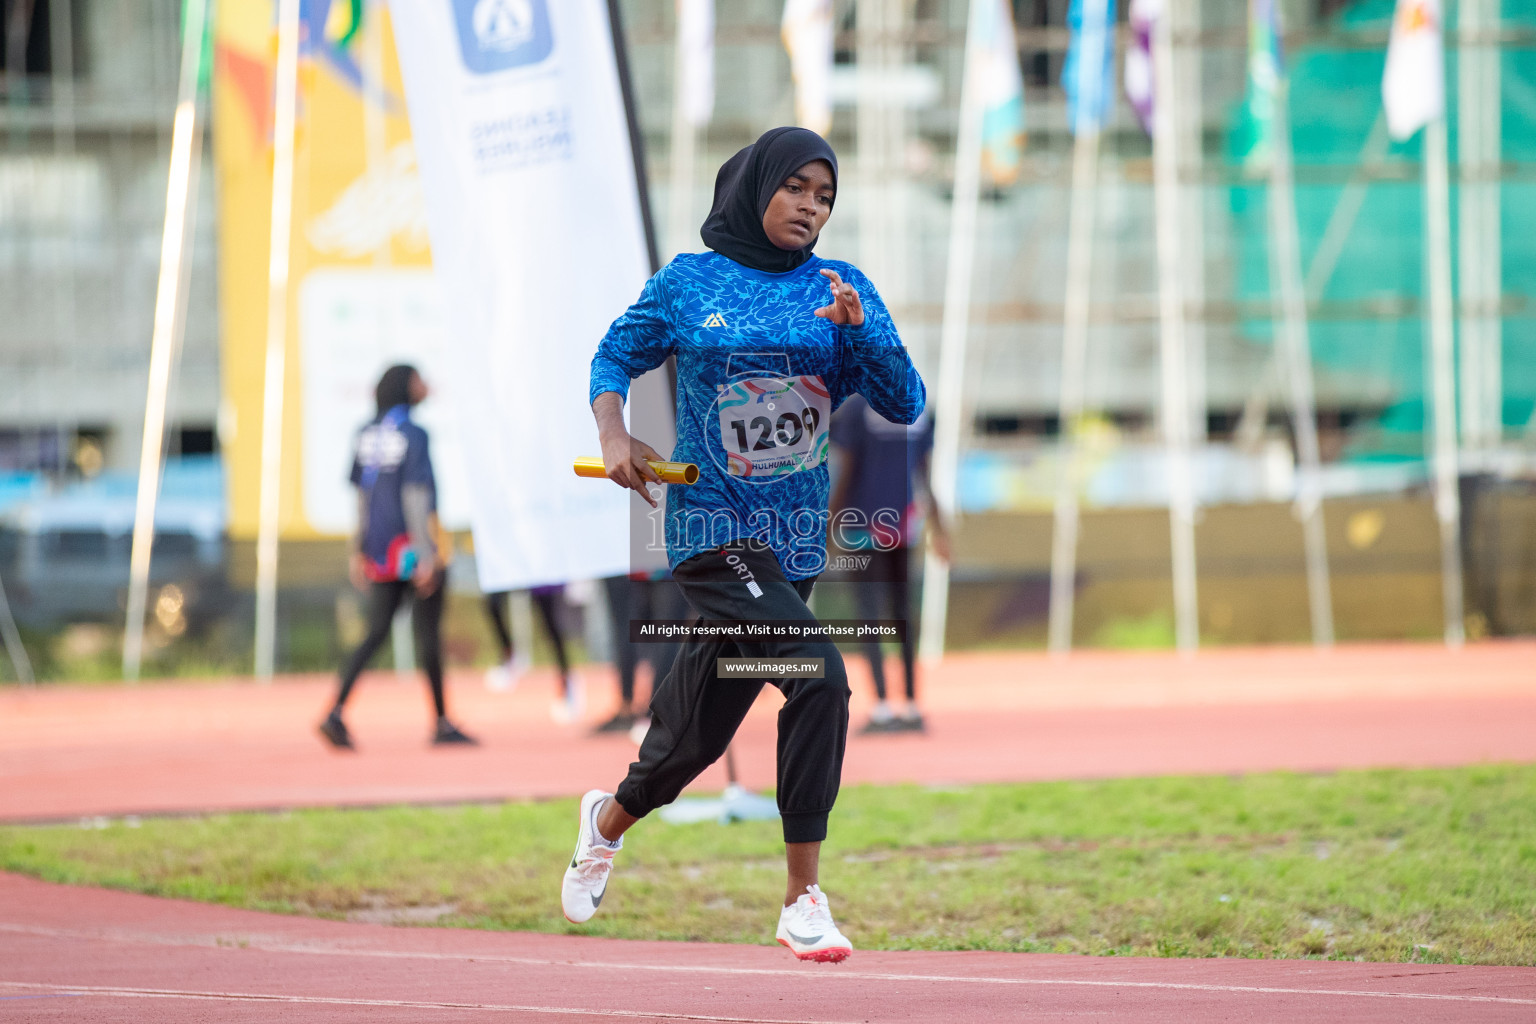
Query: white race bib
x: 774, y: 426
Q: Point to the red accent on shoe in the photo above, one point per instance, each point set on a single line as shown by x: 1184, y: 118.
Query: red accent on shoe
x: 831, y: 955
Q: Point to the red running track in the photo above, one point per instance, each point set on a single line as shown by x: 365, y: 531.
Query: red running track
x: 85, y: 954
x: 70, y: 751
x: 82, y: 954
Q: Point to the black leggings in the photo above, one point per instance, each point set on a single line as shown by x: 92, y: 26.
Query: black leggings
x: 549, y: 610
x: 694, y: 714
x: 641, y: 599
x: 886, y: 594
x: 426, y: 618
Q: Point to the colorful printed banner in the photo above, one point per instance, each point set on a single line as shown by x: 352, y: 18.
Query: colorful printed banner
x: 363, y: 294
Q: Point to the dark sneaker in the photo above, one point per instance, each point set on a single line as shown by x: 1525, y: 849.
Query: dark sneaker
x: 621, y: 722
x: 911, y: 721
x: 882, y: 725
x: 449, y: 734
x: 335, y: 732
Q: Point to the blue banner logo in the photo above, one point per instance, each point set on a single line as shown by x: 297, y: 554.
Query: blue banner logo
x: 495, y: 35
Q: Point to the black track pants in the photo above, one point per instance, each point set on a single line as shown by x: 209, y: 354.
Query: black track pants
x: 694, y: 714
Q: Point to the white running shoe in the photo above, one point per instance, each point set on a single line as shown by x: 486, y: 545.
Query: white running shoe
x: 586, y: 880
x: 572, y: 703
x: 502, y: 678
x: 806, y: 928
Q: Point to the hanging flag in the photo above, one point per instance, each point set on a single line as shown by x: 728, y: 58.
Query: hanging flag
x: 1413, y: 85
x: 1140, y: 78
x: 696, y: 68
x: 1087, y: 75
x: 807, y: 34
x: 1002, y: 96
x: 205, y: 52
x: 1264, y: 71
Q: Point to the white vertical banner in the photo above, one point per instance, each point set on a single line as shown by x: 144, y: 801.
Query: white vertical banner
x: 693, y: 104
x: 538, y: 242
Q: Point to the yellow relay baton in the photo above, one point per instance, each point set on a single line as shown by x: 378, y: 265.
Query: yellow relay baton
x: 670, y: 472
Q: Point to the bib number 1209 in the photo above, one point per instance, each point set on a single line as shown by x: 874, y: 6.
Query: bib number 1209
x: 761, y: 433
x: 773, y: 426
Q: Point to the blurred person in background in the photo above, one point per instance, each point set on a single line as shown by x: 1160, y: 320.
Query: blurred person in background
x: 639, y: 596
x: 550, y: 601
x: 399, y: 549
x: 882, y: 475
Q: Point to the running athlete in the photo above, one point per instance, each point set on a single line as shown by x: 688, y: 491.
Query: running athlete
x: 769, y: 340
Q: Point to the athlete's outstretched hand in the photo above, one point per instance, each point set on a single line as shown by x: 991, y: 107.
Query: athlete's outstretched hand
x: 845, y: 307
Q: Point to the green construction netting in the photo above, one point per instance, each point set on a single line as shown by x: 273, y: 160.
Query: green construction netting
x: 1368, y: 327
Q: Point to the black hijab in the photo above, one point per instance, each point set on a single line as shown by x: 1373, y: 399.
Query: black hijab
x: 745, y: 184
x: 394, y: 388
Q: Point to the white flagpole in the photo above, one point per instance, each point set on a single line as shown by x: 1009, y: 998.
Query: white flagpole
x: 807, y: 31
x: 680, y: 226
x: 285, y: 113
x: 1296, y: 349
x: 375, y: 122
x: 1490, y: 113
x: 950, y: 392
x: 1175, y: 357
x: 1074, y: 339
x: 870, y: 133
x: 13, y: 645
x: 1477, y: 151
x: 1185, y: 22
x: 893, y: 284
x: 1441, y: 329
x: 402, y: 637
x: 169, y: 325
x: 695, y: 22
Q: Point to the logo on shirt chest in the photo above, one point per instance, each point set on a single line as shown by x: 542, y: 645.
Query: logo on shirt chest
x: 382, y: 447
x: 715, y: 320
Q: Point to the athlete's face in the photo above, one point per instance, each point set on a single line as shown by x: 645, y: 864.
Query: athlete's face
x: 800, y: 207
x: 418, y: 388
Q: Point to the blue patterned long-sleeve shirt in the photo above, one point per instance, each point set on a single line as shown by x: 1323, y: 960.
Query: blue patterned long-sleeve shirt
x: 758, y: 377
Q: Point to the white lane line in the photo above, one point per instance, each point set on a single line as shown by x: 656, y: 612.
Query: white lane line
x: 801, y: 974
x: 405, y: 1004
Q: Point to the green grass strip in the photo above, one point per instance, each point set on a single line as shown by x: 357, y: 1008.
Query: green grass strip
x: 1426, y: 866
